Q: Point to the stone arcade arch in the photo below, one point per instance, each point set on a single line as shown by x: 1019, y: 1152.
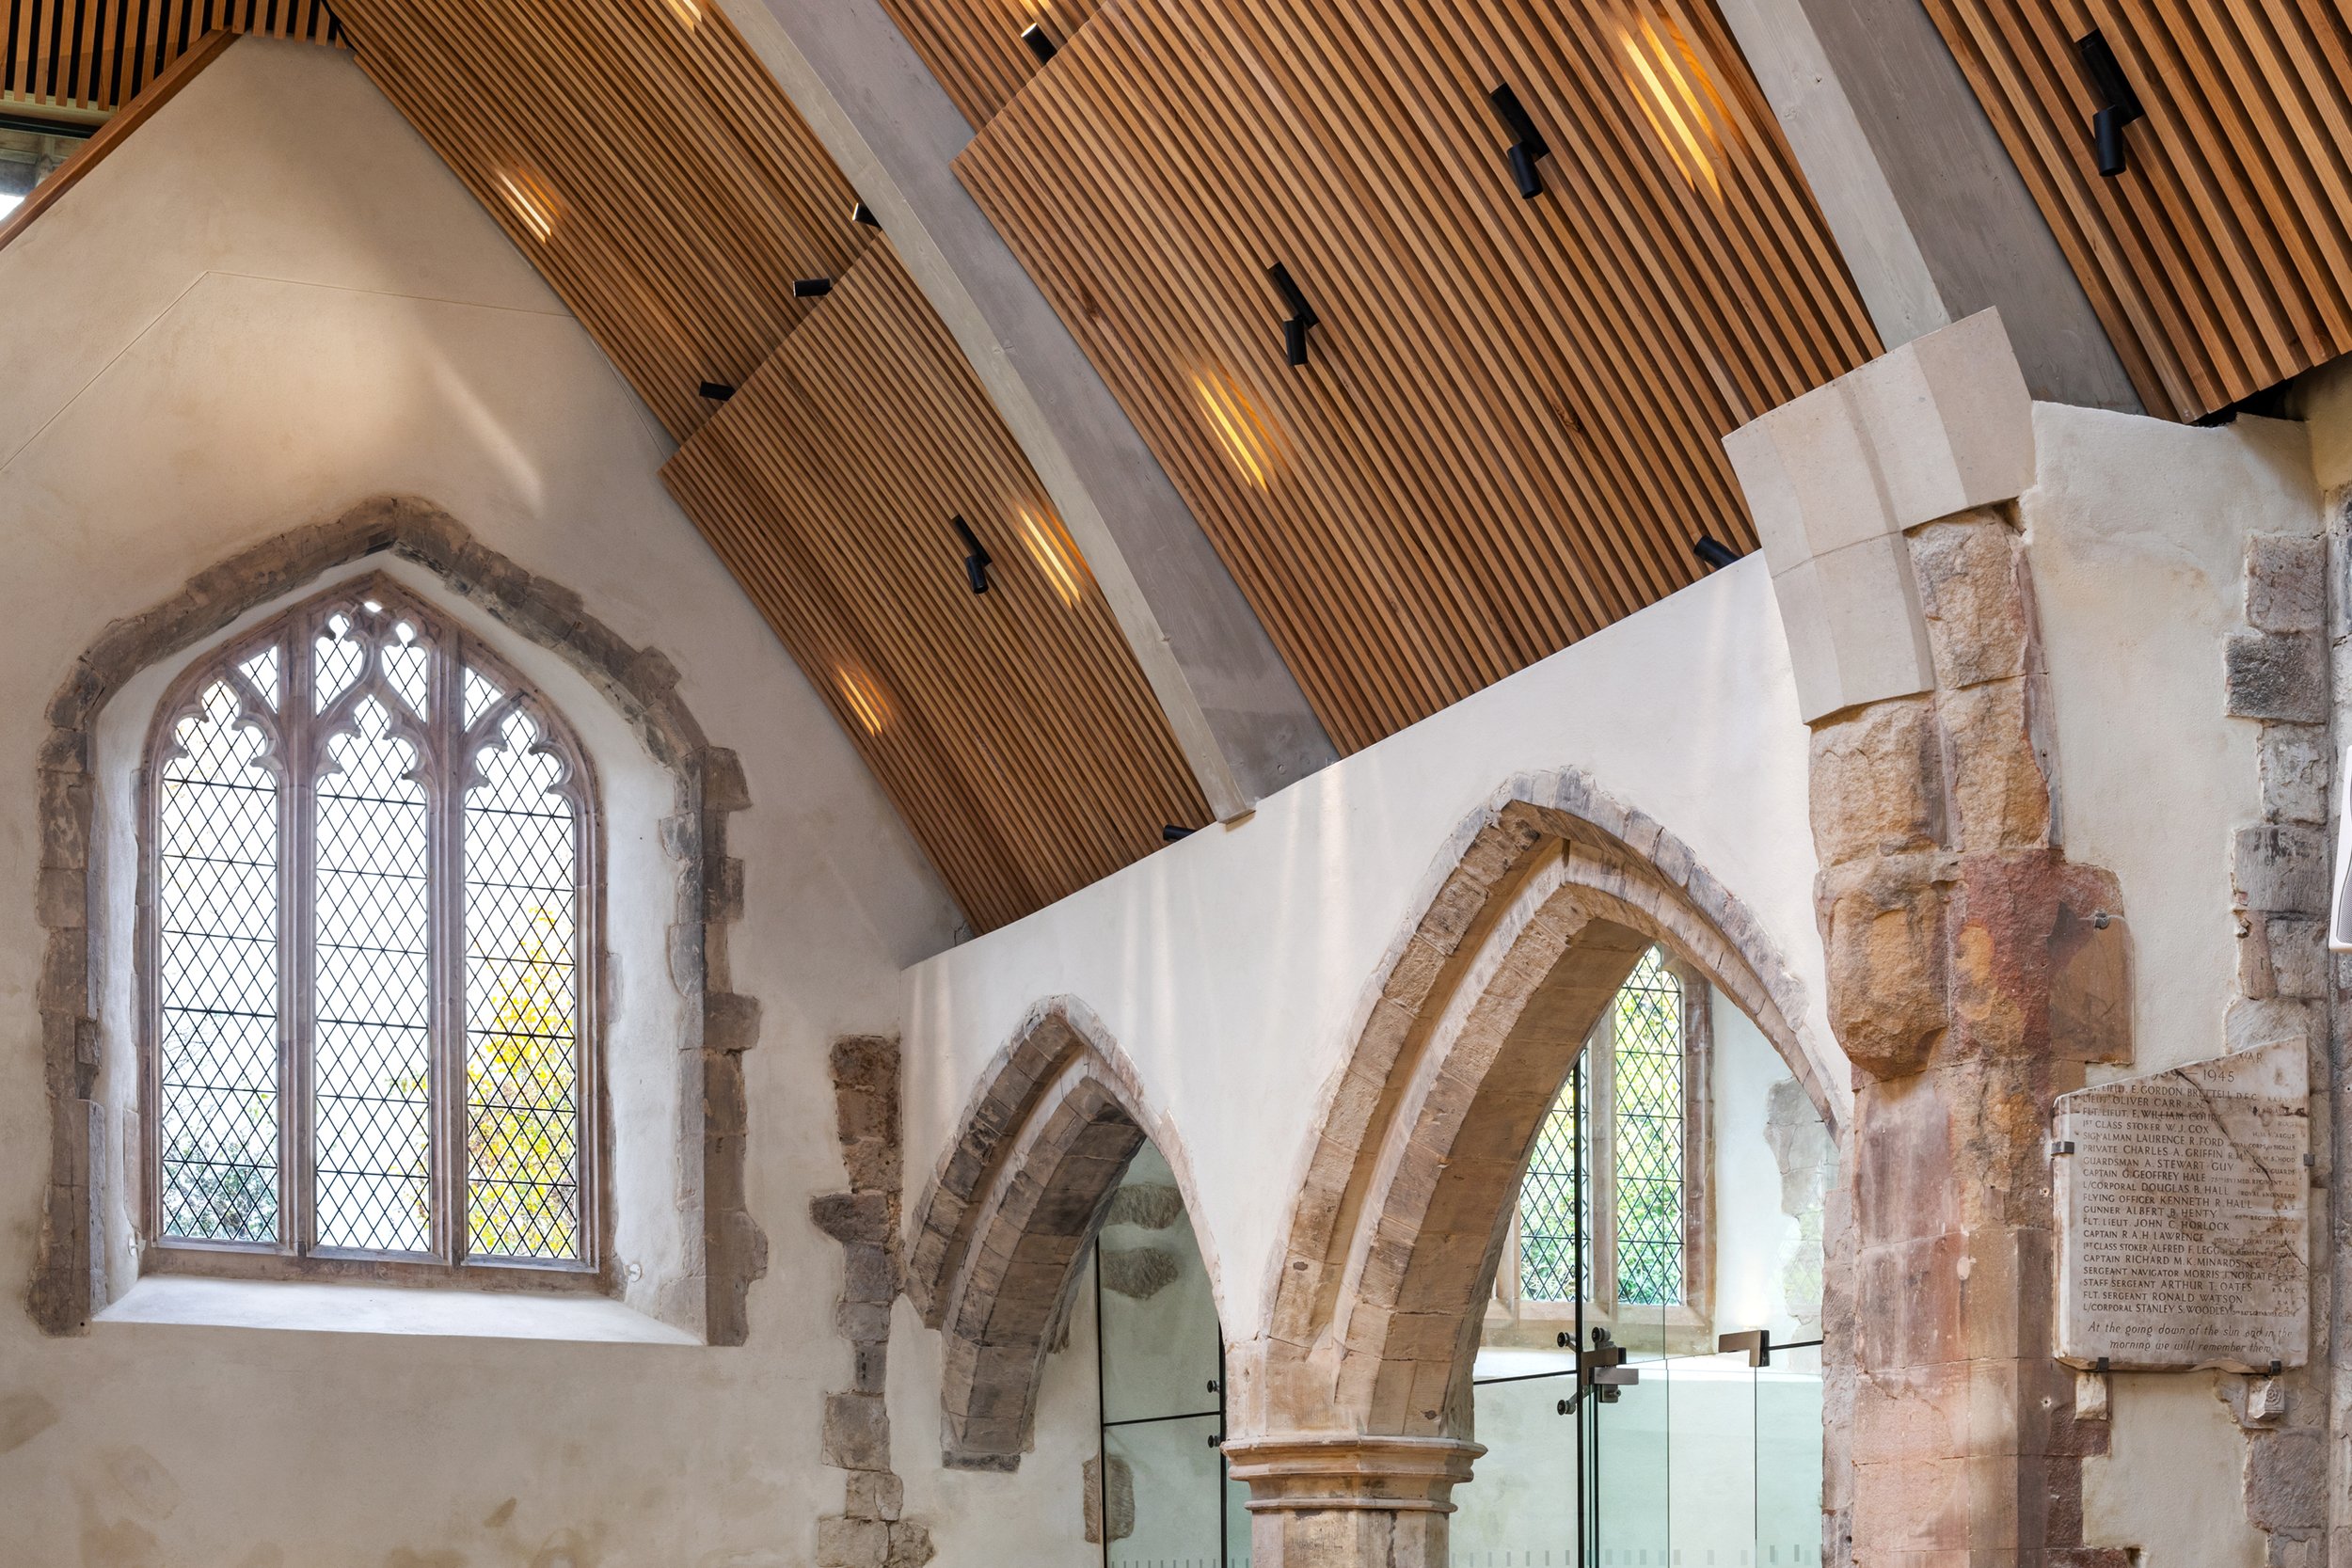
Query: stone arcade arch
x: 1351, y: 1408
x: 1011, y: 1211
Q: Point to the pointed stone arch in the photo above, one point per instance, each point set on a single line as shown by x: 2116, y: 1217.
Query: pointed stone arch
x: 1538, y: 908
x: 1017, y: 1199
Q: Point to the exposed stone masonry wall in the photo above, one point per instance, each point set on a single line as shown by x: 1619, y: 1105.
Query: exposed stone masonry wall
x: 2276, y: 675
x: 640, y: 683
x: 870, y: 1531
x: 1970, y: 979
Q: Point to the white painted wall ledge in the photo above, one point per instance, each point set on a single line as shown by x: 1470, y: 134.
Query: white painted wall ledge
x: 312, y: 1307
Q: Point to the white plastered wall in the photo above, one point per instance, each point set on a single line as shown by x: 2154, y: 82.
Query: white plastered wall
x: 1230, y: 968
x: 273, y: 302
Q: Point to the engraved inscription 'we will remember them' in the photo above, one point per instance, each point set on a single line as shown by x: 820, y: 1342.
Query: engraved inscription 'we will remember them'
x: 2183, y: 1216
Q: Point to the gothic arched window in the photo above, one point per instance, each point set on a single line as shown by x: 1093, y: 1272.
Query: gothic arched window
x: 369, y: 931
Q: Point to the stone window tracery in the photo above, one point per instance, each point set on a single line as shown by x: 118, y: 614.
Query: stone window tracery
x: 369, y: 927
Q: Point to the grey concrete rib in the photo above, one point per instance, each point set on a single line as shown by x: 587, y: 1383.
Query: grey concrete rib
x: 1239, y: 714
x: 1931, y: 216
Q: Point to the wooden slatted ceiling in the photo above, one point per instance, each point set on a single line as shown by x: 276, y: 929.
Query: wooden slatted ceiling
x: 641, y: 157
x: 2221, y: 260
x: 974, y: 46
x: 1013, y: 729
x: 1508, y: 435
x: 97, y: 55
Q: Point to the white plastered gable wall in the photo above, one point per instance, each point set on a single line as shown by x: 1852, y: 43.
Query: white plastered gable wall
x: 270, y: 303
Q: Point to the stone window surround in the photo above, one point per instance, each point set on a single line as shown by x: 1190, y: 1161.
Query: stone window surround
x: 730, y: 1251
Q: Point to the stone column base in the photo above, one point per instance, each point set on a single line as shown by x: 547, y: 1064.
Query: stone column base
x: 1346, y: 1501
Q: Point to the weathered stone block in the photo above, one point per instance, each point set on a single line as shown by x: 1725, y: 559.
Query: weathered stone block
x: 875, y: 1495
x: 1887, y: 962
x: 2277, y: 675
x: 2297, y: 769
x: 1999, y: 792
x: 844, y: 1543
x: 909, y: 1545
x: 730, y: 1022
x: 2283, y: 955
x: 1878, y: 784
x: 2286, y: 1475
x: 856, y: 1433
x: 1972, y: 591
x: 852, y: 1217
x: 1113, y: 1484
x: 2282, y: 868
x: 2286, y: 583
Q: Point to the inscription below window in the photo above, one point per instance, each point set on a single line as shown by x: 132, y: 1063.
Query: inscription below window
x: 366, y: 950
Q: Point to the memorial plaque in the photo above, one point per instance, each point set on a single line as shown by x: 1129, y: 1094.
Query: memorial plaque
x: 2183, y: 1216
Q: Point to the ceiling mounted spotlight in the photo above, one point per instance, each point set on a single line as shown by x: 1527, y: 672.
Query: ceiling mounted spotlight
x: 811, y: 288
x: 976, y: 560
x: 860, y: 212
x: 1040, y: 41
x: 1527, y: 143
x: 717, y: 391
x: 1170, y: 833
x: 1302, y: 315
x: 2123, y: 104
x: 1713, y: 552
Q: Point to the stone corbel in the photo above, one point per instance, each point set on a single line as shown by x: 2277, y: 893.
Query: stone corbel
x: 1941, y: 425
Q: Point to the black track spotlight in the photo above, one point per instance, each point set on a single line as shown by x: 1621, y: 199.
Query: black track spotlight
x: 1302, y: 315
x: 1713, y: 552
x: 1170, y: 833
x: 811, y: 288
x: 2123, y: 104
x: 1041, y: 43
x: 1527, y: 143
x: 717, y: 391
x: 860, y: 212
x: 976, y: 560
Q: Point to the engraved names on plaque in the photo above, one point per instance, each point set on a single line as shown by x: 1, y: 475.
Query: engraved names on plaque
x: 2183, y: 1216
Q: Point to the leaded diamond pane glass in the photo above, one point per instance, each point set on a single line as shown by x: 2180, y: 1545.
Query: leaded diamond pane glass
x: 338, y: 655
x: 522, y: 1024
x: 1551, y: 1218
x: 1647, y: 1025
x: 217, y: 923
x: 371, y: 1052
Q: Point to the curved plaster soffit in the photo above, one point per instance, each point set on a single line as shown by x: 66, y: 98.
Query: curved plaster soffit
x: 1059, y: 1113
x: 641, y: 684
x: 1538, y: 906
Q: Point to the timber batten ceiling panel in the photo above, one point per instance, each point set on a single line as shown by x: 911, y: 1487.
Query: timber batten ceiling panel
x: 1013, y: 729
x: 95, y: 55
x: 1507, y: 434
x: 641, y: 157
x: 974, y: 46
x: 2221, y: 261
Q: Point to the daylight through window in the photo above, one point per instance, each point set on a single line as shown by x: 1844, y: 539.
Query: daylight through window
x: 1627, y: 1091
x: 366, y: 945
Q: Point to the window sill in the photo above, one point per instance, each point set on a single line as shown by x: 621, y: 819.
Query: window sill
x: 306, y: 1307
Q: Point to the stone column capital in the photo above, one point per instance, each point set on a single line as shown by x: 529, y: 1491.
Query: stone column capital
x: 1314, y: 1471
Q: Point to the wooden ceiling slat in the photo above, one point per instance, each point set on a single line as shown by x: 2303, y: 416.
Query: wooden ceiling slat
x: 690, y: 197
x: 974, y: 46
x: 2218, y: 261
x: 1023, y: 743
x: 92, y: 57
x: 1508, y: 435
